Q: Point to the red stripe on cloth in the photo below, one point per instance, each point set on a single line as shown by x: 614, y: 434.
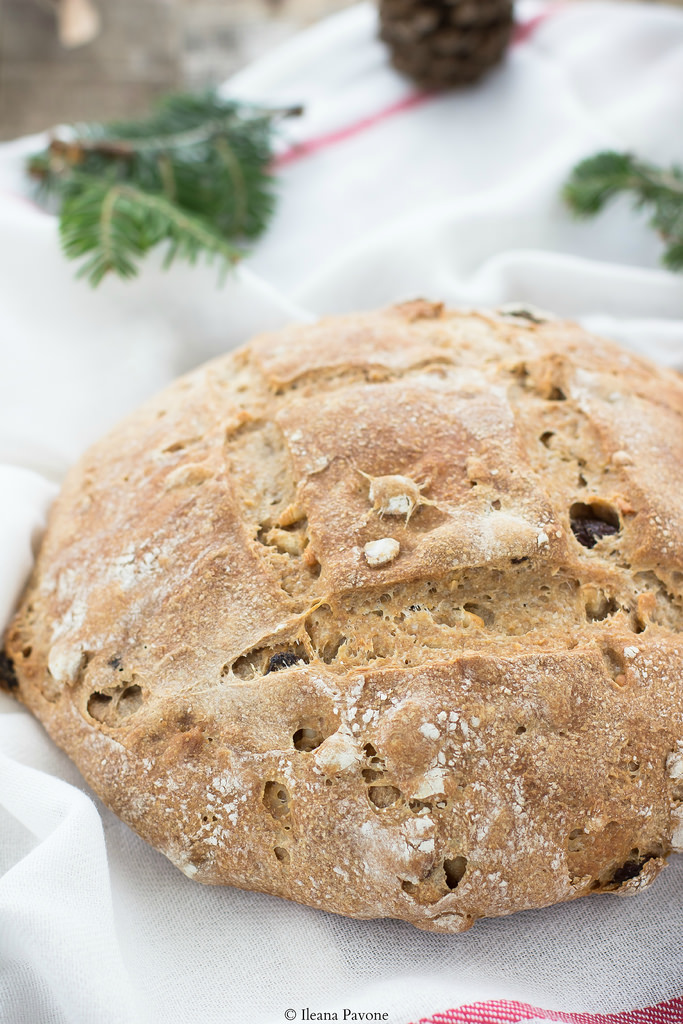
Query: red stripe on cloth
x: 415, y: 99
x: 502, y: 1011
x: 522, y: 31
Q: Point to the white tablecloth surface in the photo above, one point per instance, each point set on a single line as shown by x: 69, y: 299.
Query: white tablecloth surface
x: 455, y: 198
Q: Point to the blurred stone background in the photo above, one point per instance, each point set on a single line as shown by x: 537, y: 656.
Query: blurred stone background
x: 144, y: 48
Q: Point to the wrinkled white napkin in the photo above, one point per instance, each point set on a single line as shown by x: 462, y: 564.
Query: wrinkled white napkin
x: 453, y: 198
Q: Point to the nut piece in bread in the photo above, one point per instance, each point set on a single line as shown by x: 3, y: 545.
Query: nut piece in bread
x: 381, y: 614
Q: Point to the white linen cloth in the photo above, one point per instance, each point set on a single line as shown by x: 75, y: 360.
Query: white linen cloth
x: 455, y: 199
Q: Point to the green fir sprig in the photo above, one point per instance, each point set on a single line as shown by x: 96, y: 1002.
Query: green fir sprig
x: 597, y: 180
x: 195, y: 175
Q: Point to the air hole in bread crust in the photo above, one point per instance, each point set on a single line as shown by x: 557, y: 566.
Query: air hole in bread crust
x: 276, y: 799
x: 454, y: 869
x: 119, y: 703
x: 615, y: 663
x: 130, y: 701
x: 98, y: 705
x: 481, y: 611
x: 384, y: 796
x: 599, y: 605
x: 576, y: 840
x: 307, y: 738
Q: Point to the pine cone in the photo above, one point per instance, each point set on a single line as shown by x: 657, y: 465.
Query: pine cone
x: 445, y: 42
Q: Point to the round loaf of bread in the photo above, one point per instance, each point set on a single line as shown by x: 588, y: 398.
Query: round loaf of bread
x: 382, y: 614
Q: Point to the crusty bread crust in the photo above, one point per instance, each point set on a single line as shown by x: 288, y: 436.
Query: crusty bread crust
x: 383, y: 615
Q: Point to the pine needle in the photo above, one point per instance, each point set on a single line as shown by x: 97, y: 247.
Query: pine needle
x: 194, y: 175
x: 599, y: 179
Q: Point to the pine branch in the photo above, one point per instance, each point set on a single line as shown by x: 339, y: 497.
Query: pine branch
x: 114, y: 225
x: 194, y: 174
x: 596, y: 181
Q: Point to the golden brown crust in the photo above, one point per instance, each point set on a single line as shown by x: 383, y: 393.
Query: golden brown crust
x: 381, y: 614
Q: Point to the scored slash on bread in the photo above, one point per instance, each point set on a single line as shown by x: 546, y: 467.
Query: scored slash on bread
x: 484, y: 716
